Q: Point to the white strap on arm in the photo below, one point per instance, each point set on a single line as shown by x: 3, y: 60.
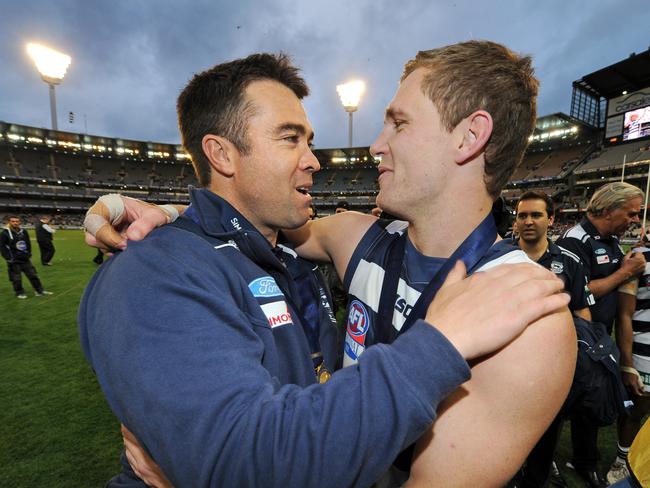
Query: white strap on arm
x: 170, y: 210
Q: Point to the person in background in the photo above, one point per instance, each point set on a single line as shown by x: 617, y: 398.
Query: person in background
x: 633, y: 340
x: 613, y: 208
x: 342, y: 206
x: 16, y: 249
x: 534, y: 215
x: 45, y: 238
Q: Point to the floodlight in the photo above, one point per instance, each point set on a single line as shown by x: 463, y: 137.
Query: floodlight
x: 52, y: 66
x: 350, y: 95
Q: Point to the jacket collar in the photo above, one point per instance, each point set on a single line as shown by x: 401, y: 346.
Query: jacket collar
x: 593, y: 231
x: 219, y: 219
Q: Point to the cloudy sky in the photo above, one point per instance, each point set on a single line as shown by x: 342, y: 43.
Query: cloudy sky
x: 130, y: 58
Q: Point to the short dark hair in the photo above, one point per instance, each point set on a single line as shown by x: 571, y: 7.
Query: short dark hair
x: 343, y: 204
x: 213, y: 103
x: 538, y: 195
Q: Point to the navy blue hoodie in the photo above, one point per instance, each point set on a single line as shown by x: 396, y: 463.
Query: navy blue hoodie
x: 212, y: 371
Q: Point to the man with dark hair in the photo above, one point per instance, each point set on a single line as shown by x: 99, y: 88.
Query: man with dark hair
x: 595, y: 240
x: 44, y: 237
x: 534, y: 215
x: 341, y: 206
x: 16, y: 248
x: 223, y: 90
x: 213, y: 360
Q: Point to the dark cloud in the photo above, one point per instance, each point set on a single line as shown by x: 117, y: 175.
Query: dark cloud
x: 132, y: 57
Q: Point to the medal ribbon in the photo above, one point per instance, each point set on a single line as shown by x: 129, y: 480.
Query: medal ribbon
x: 471, y: 251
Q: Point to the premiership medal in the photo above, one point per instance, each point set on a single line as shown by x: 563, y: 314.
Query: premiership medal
x: 322, y: 374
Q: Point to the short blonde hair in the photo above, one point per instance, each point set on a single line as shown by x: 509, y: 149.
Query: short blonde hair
x: 612, y: 196
x: 483, y: 75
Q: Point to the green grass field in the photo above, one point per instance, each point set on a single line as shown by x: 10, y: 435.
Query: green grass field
x: 55, y: 427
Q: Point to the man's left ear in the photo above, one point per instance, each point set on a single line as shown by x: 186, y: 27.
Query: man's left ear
x: 476, y: 130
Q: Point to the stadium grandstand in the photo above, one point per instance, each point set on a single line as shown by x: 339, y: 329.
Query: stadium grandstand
x: 61, y: 173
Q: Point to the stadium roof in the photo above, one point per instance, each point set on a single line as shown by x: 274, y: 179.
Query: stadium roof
x: 556, y: 120
x: 630, y: 75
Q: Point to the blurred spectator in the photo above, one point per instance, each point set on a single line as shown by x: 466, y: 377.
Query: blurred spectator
x: 44, y: 237
x: 342, y: 206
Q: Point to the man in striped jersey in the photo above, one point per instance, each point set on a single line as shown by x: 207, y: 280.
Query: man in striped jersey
x: 633, y: 339
x: 445, y: 155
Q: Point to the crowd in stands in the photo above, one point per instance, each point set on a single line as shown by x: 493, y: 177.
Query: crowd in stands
x: 64, y: 183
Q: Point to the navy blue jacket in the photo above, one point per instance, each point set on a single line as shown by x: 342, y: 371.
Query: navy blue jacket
x: 221, y: 390
x: 15, y: 246
x: 600, y: 256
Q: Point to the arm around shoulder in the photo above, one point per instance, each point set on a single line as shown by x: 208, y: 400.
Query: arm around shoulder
x: 487, y: 427
x: 331, y: 239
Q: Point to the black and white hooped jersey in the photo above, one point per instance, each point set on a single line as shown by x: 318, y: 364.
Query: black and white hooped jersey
x: 365, y: 275
x: 641, y: 319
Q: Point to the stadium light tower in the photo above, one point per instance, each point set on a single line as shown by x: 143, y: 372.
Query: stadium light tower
x: 52, y: 66
x: 350, y: 94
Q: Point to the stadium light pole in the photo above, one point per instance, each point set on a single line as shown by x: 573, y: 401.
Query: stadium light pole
x: 52, y: 66
x: 350, y: 94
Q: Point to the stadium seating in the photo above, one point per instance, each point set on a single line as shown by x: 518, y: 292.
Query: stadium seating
x: 64, y: 177
x: 613, y: 156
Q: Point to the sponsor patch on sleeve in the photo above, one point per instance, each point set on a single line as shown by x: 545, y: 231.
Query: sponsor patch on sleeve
x: 277, y: 313
x: 602, y: 259
x: 265, y: 287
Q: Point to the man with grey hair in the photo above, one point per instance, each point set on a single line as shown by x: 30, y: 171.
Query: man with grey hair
x: 611, y: 210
